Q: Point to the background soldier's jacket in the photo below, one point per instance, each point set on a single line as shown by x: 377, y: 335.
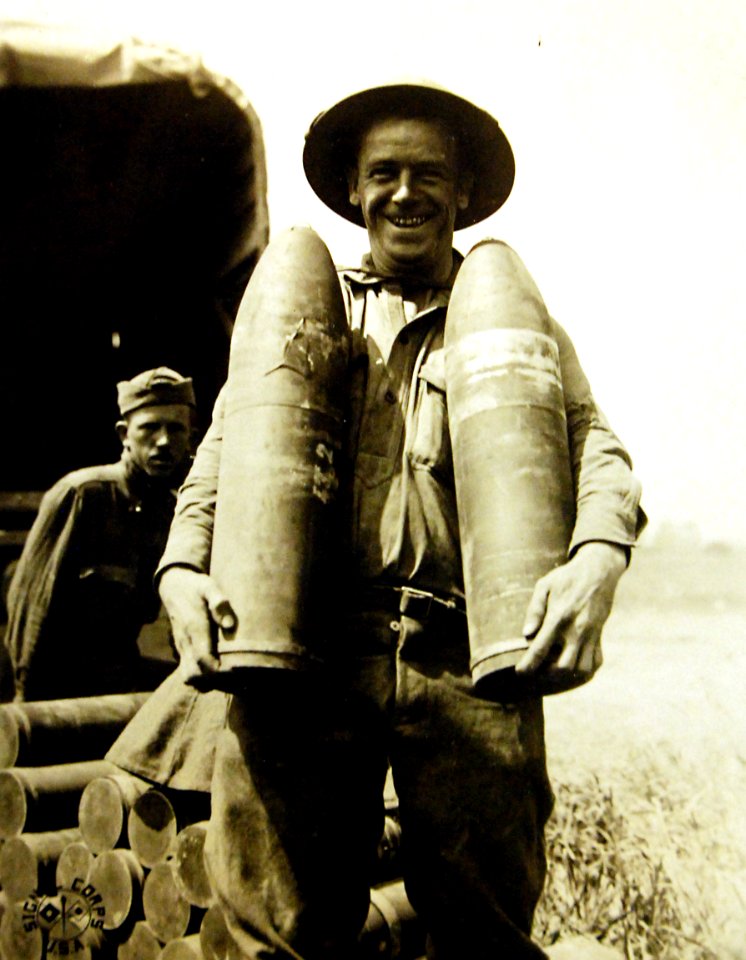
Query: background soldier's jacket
x: 83, y: 587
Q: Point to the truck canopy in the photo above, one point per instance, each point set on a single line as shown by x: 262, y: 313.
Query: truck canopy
x: 133, y: 198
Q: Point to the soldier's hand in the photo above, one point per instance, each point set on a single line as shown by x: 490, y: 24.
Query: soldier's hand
x: 568, y: 610
x: 195, y: 605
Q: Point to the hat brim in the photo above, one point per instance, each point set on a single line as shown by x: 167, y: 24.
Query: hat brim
x: 332, y: 139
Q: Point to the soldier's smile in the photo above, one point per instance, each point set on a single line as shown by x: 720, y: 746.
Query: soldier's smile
x: 408, y: 187
x: 407, y: 223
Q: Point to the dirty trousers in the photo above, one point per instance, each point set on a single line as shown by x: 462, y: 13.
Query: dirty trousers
x: 297, y: 799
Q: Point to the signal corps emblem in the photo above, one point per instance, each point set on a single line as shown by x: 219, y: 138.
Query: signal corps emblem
x: 68, y: 919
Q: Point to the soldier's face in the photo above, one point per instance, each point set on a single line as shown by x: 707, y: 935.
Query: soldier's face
x: 408, y: 187
x: 159, y: 438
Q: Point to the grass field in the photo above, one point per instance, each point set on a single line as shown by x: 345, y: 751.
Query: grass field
x: 648, y: 841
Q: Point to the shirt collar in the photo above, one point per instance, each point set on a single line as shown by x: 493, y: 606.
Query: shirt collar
x: 367, y: 275
x: 141, y: 486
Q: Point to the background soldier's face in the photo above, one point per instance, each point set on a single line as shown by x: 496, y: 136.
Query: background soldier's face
x: 408, y: 187
x: 159, y: 438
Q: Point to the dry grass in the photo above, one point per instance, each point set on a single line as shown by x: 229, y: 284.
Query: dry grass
x: 647, y: 846
x: 637, y: 867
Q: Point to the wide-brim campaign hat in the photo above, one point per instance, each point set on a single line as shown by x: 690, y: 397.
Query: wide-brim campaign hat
x: 334, y: 135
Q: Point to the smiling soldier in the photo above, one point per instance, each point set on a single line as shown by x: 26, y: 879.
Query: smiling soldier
x: 298, y: 770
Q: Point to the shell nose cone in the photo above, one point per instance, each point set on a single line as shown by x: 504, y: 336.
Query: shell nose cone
x: 300, y: 247
x: 494, y: 289
x: 294, y: 278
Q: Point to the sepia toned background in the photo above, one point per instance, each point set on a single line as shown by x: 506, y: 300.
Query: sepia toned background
x: 628, y: 122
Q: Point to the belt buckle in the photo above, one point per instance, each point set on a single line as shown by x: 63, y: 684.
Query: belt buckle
x: 415, y: 604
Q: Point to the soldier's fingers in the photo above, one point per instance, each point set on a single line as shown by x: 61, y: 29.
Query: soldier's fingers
x: 194, y: 643
x: 202, y: 649
x: 179, y: 638
x: 568, y: 659
x: 537, y: 608
x: 540, y: 646
x: 220, y: 608
x: 587, y: 661
x: 188, y: 669
x: 188, y: 666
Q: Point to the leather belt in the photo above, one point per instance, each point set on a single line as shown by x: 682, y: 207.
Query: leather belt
x: 410, y: 602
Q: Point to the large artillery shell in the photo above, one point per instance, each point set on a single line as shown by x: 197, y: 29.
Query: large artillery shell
x: 20, y: 939
x: 167, y: 913
x: 141, y: 944
x: 152, y: 827
x: 74, y: 864
x: 184, y: 948
x: 104, y: 806
x: 513, y: 477
x: 190, y: 870
x: 34, y: 734
x: 392, y: 928
x: 276, y: 515
x: 45, y: 798
x: 214, y: 937
x: 28, y: 862
x: 117, y: 876
x: 388, y: 856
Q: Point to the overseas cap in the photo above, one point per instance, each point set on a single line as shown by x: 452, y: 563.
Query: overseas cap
x: 333, y: 138
x: 152, y: 387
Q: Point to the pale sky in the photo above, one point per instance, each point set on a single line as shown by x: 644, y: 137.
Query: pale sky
x: 628, y: 122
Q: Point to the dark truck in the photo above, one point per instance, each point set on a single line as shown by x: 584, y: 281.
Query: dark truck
x: 133, y: 211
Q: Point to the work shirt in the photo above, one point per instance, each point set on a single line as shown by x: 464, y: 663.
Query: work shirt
x: 403, y: 528
x: 83, y: 587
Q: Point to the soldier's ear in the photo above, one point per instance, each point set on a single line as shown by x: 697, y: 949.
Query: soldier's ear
x: 354, y: 193
x: 465, y: 186
x: 121, y: 428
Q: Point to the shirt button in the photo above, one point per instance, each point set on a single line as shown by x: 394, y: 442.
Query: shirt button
x: 390, y: 396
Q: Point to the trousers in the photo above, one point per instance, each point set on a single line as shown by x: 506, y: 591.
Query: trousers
x: 297, y: 798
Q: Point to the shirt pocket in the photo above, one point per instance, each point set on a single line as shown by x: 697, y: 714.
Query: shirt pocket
x: 110, y: 575
x: 107, y: 594
x: 372, y: 470
x: 430, y: 441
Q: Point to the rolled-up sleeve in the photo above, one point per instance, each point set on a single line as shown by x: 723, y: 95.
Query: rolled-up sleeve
x: 190, y: 537
x: 607, y: 493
